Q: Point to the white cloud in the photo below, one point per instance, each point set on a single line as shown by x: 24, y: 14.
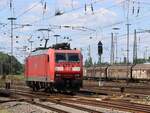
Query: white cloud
x: 68, y: 3
x: 30, y: 19
x: 118, y: 1
x: 100, y: 17
x: 3, y: 3
x: 35, y: 8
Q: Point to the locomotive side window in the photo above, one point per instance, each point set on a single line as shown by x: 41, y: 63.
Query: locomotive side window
x: 60, y: 57
x: 73, y: 57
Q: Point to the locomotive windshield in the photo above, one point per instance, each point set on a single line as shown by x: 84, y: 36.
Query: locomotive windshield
x: 73, y: 57
x: 67, y: 57
x: 60, y: 57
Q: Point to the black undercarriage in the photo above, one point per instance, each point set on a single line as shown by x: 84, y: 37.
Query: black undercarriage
x: 65, y: 85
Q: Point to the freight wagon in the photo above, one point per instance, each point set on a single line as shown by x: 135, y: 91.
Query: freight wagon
x: 141, y: 72
x: 118, y: 72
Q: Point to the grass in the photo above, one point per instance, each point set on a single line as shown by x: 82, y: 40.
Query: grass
x: 4, y: 111
x: 15, y: 78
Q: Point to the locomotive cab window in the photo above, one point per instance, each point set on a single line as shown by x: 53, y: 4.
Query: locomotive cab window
x: 60, y: 57
x: 67, y: 57
x: 73, y: 57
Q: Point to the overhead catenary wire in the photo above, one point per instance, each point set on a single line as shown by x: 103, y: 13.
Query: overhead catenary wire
x: 70, y: 11
x: 65, y: 13
x: 40, y: 1
x: 29, y: 9
x: 113, y: 25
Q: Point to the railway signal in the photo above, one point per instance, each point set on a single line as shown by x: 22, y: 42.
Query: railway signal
x: 100, y: 50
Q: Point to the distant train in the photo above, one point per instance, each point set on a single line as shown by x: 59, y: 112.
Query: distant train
x: 58, y: 67
x: 118, y: 72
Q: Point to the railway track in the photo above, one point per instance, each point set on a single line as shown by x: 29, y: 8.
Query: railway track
x: 136, y: 108
x: 111, y: 84
x: 53, y: 99
x: 79, y: 101
x: 111, y: 91
x: 46, y: 107
x: 70, y: 101
x: 30, y: 101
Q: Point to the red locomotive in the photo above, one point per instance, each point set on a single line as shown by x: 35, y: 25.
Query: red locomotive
x: 58, y: 67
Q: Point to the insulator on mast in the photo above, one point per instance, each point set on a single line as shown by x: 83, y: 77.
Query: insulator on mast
x: 85, y: 8
x: 92, y: 9
x: 138, y: 11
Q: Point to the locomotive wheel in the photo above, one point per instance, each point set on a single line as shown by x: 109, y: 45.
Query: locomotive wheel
x: 35, y: 88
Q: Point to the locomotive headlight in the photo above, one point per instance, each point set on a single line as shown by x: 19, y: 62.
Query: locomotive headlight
x: 76, y: 69
x: 59, y: 68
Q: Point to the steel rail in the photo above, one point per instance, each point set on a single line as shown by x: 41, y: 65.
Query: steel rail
x: 74, y: 106
x: 54, y: 100
x: 47, y: 107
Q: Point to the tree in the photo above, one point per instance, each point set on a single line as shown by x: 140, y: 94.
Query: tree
x: 140, y: 61
x: 5, y: 65
x: 88, y: 62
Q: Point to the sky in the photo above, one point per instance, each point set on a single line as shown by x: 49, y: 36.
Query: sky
x: 84, y: 26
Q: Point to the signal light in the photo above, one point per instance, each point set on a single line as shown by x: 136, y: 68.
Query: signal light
x: 100, y: 48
